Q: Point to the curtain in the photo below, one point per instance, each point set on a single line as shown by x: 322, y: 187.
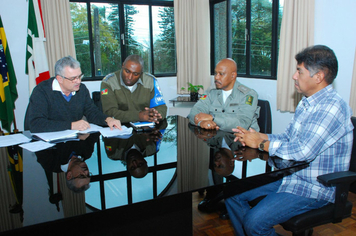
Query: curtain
x: 192, y: 42
x: 297, y: 33
x: 59, y: 33
x: 353, y: 89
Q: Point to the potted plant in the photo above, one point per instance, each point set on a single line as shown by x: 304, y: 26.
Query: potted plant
x: 194, y: 91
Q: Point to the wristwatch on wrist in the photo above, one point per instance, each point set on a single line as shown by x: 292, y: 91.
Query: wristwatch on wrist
x: 261, y: 146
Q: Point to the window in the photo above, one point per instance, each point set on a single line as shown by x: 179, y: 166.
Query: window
x: 248, y: 32
x: 117, y: 29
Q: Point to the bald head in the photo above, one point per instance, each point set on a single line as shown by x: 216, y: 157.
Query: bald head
x: 225, y: 74
x: 229, y: 63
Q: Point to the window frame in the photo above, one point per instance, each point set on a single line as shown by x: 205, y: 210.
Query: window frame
x: 274, y: 43
x: 121, y: 3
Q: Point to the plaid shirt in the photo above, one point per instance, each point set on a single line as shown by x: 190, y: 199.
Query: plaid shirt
x: 321, y: 133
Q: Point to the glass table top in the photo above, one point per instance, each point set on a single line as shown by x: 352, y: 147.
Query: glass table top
x: 174, y: 158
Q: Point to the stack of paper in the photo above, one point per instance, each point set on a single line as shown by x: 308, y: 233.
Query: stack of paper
x: 55, y: 136
x: 37, y: 146
x: 106, y: 132
x: 13, y: 139
x: 58, y: 136
x: 93, y: 128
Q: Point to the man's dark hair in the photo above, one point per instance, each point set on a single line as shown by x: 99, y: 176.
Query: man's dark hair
x: 319, y: 58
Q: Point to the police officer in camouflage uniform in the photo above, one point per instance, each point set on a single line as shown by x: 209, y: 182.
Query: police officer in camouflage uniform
x: 126, y: 94
x: 230, y: 105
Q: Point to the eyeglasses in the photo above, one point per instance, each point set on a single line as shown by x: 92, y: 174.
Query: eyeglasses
x: 79, y: 77
x: 82, y: 176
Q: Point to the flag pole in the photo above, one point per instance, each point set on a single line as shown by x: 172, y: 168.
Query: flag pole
x: 15, y: 127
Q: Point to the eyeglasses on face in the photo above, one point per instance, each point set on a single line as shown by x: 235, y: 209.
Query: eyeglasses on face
x: 82, y: 176
x: 79, y: 77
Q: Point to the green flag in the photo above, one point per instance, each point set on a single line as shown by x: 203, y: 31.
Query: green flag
x: 8, y: 92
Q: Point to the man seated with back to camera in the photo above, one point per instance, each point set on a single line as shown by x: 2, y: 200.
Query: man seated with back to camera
x: 230, y: 105
x: 320, y: 133
x: 129, y: 94
x: 60, y: 103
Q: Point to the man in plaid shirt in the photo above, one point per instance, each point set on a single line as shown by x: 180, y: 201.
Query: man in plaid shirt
x: 320, y: 132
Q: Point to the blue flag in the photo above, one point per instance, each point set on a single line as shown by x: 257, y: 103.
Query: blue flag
x: 157, y: 99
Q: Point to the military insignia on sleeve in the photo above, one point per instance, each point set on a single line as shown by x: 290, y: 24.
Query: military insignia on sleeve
x: 249, y: 100
x: 104, y: 92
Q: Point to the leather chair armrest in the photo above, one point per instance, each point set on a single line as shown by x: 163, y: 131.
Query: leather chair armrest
x: 342, y: 181
x: 337, y: 178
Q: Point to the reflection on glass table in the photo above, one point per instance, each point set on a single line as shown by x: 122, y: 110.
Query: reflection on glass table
x: 133, y: 169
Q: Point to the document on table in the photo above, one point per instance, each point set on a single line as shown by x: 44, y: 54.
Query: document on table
x: 37, y: 146
x: 53, y: 136
x: 93, y: 128
x: 13, y: 139
x: 107, y: 132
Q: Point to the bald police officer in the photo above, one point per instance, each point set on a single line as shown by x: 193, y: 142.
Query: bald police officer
x: 230, y: 105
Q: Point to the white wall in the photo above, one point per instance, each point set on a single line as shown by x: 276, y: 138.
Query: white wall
x: 334, y: 26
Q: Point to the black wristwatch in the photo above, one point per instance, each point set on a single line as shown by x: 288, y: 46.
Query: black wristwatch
x: 261, y: 146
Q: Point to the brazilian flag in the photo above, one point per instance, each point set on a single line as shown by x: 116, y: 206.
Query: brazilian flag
x: 15, y: 170
x: 8, y: 92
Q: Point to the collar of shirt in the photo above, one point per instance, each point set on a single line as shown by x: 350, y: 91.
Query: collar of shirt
x: 224, y: 144
x: 133, y: 87
x: 134, y: 146
x: 64, y: 167
x: 226, y: 94
x: 56, y: 87
x: 316, y: 97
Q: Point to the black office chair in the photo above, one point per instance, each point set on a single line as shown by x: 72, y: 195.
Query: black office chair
x: 265, y: 119
x: 333, y: 213
x: 265, y: 123
x: 97, y: 99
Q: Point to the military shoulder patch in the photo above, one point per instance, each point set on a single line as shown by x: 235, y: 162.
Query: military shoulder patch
x: 150, y: 75
x: 108, y: 76
x: 104, y: 92
x: 249, y: 100
x: 244, y: 89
